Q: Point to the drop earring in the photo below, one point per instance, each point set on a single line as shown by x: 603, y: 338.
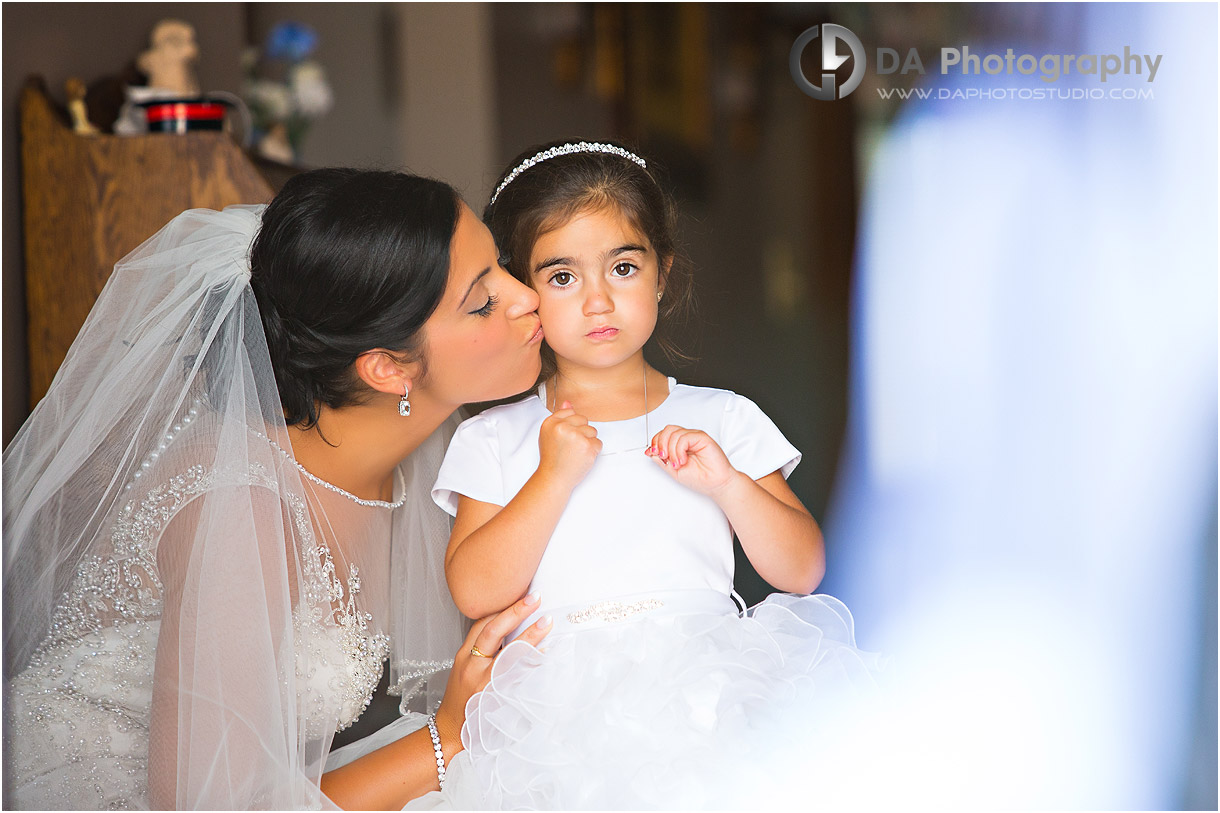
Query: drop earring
x: 404, y: 405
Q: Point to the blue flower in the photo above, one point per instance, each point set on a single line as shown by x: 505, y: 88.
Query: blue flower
x: 291, y: 41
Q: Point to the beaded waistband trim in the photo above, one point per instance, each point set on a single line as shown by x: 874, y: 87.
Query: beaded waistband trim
x: 613, y: 610
x: 627, y: 609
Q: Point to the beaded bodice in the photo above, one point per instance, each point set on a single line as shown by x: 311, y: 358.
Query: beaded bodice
x: 85, y: 697
x: 337, y: 656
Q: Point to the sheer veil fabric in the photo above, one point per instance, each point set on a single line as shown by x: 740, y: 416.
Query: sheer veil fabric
x: 157, y: 526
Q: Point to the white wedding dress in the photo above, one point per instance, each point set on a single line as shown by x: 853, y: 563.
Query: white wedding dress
x: 82, y: 707
x: 189, y: 615
x: 653, y: 691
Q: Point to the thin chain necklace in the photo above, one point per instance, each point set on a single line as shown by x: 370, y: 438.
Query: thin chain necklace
x: 553, y: 397
x: 331, y: 486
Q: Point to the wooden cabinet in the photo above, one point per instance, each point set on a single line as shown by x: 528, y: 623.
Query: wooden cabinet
x: 89, y: 200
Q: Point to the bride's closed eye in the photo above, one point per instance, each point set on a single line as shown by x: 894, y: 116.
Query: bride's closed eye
x: 492, y: 301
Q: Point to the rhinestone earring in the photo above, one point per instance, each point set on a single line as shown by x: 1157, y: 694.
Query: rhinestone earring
x: 404, y: 406
x: 659, y: 295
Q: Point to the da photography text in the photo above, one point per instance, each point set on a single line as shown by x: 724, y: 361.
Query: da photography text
x: 832, y: 40
x: 1050, y: 67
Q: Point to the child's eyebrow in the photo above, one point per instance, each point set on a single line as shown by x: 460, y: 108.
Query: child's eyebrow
x: 545, y: 264
x: 614, y: 252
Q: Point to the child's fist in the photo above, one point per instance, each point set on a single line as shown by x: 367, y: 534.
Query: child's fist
x: 567, y: 445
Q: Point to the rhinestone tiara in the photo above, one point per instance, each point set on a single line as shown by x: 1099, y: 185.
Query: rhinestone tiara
x: 565, y: 149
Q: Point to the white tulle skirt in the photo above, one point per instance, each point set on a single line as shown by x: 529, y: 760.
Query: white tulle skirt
x: 663, y: 710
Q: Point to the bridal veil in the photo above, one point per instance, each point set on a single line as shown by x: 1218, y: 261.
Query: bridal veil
x: 157, y: 525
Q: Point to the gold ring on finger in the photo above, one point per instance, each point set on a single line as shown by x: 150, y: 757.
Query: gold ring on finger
x: 474, y: 650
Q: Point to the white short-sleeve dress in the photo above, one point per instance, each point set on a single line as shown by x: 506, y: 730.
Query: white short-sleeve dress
x: 653, y: 690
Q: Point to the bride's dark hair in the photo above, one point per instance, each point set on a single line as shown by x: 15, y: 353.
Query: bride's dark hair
x: 346, y: 261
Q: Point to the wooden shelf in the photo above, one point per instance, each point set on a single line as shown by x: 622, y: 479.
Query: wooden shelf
x: 89, y: 200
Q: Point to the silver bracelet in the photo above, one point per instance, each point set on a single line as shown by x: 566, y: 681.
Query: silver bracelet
x: 440, y: 753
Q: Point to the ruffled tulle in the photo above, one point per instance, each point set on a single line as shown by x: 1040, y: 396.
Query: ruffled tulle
x: 690, y: 711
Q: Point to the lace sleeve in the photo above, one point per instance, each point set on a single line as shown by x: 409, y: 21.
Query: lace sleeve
x: 157, y: 556
x: 225, y: 730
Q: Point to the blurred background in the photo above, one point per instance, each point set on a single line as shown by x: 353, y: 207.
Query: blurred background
x: 935, y: 303
x: 767, y: 180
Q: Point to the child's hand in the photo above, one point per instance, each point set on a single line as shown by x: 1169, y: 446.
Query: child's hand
x: 692, y: 458
x: 567, y: 445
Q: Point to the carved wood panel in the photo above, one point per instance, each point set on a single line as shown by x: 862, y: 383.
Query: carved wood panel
x: 89, y: 200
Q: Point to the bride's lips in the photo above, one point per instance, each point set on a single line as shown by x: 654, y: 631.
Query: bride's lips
x: 602, y: 333
x: 538, y: 335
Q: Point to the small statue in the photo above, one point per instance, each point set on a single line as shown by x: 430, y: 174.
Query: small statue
x: 168, y: 65
x: 170, y: 59
x: 75, y: 90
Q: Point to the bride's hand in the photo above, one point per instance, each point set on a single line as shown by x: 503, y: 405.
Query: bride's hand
x: 471, y: 672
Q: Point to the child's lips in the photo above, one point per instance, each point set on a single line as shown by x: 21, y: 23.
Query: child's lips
x: 602, y: 333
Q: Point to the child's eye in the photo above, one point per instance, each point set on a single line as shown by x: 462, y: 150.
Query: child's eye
x: 486, y: 310
x: 624, y: 269
x: 561, y: 279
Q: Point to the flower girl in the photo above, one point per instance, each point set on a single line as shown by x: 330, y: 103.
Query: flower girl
x: 614, y: 494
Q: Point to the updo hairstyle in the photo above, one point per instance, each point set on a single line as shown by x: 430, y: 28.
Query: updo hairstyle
x: 346, y: 261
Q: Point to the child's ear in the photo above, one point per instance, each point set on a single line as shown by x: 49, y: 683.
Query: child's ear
x: 380, y: 371
x: 663, y: 275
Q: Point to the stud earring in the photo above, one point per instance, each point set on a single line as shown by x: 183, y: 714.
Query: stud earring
x: 404, y: 406
x: 659, y: 295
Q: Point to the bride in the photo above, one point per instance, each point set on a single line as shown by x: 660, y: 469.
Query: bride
x: 217, y: 523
